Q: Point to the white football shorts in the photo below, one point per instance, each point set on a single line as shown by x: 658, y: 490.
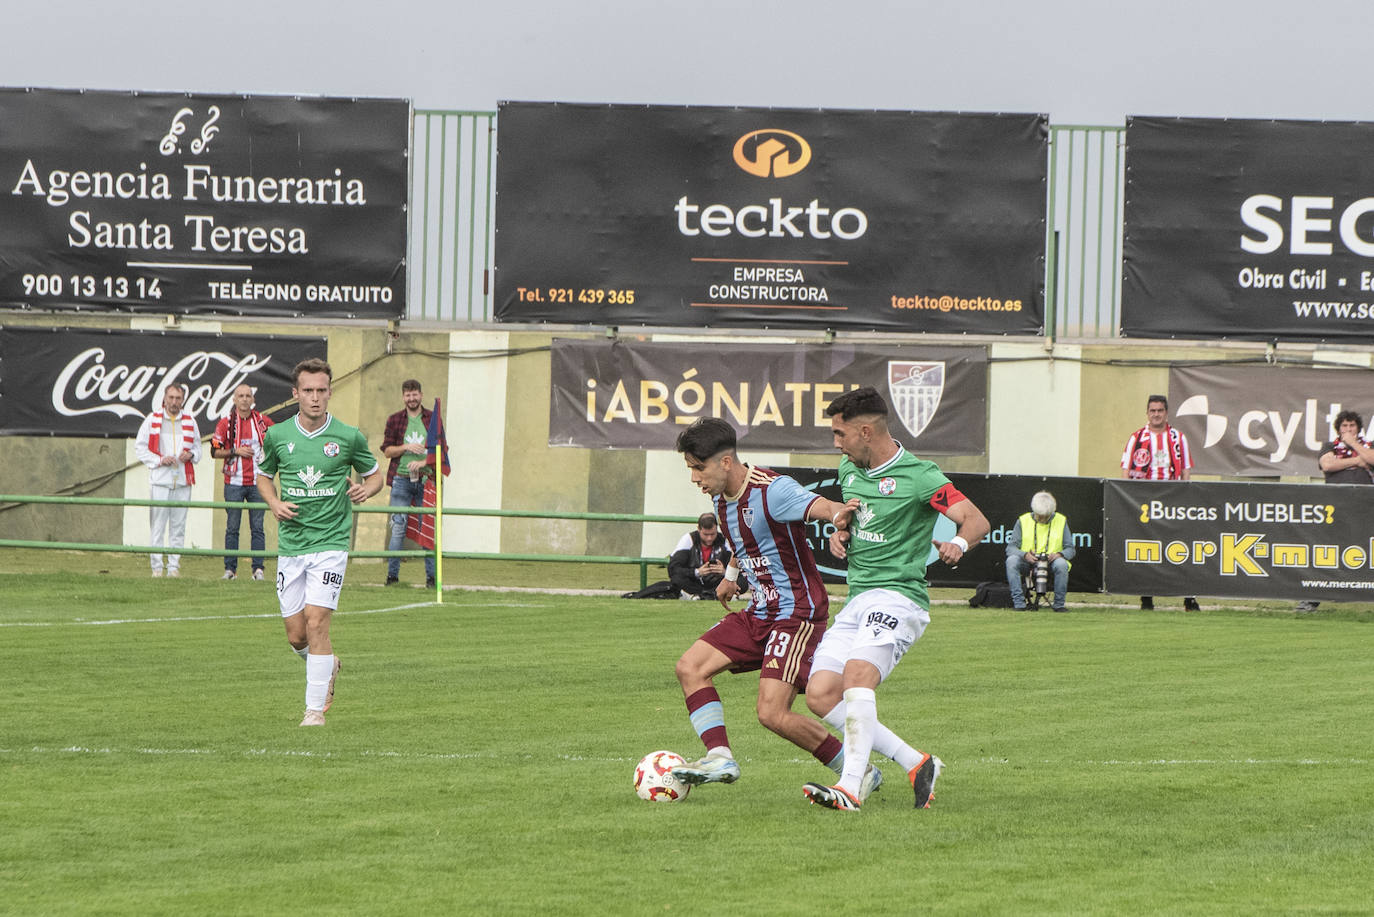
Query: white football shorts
x: 310, y: 579
x: 877, y: 626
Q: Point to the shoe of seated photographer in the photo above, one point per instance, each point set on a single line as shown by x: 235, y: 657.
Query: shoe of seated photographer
x: 1190, y: 604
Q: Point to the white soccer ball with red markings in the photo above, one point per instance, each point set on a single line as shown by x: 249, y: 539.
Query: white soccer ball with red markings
x: 654, y: 778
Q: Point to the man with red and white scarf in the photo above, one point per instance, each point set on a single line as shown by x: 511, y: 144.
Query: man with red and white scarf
x: 168, y: 443
x: 236, y: 439
x: 1158, y: 452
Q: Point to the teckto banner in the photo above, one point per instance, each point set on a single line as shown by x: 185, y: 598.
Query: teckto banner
x: 1249, y: 229
x: 695, y: 216
x: 1002, y: 498
x: 75, y: 382
x: 1295, y: 541
x: 1264, y: 420
x: 624, y: 395
x: 184, y: 203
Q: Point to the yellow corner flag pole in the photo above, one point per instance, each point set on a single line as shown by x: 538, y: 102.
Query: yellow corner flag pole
x: 439, y: 531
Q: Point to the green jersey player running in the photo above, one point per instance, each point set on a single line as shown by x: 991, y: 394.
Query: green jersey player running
x: 892, y: 501
x: 313, y: 454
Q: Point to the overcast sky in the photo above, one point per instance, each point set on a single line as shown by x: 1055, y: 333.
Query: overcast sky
x: 1080, y: 62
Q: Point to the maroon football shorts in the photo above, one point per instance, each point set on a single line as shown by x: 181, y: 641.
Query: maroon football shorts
x: 781, y: 649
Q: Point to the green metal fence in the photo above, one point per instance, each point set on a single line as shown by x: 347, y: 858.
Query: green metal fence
x: 453, y: 187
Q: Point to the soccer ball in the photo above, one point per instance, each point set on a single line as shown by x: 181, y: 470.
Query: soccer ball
x: 654, y: 778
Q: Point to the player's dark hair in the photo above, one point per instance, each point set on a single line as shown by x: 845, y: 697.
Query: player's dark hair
x: 312, y: 365
x: 411, y: 385
x: 861, y: 402
x: 706, y: 437
x: 1160, y: 398
x: 1343, y: 416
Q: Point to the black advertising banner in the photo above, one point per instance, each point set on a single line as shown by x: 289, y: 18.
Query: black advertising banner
x: 188, y: 203
x: 75, y: 382
x: 698, y: 216
x: 633, y: 395
x: 1249, y: 229
x: 1268, y: 541
x: 1264, y: 420
x: 1002, y: 498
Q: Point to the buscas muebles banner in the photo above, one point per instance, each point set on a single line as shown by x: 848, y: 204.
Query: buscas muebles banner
x: 77, y: 382
x: 703, y: 216
x: 1294, y: 541
x: 191, y: 203
x: 639, y: 395
x: 1248, y: 229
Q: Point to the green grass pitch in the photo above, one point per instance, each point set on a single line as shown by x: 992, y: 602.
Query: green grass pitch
x: 478, y: 758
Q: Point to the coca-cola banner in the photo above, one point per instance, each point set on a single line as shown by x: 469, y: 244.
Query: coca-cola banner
x: 637, y: 395
x: 1256, y: 229
x: 77, y: 382
x: 179, y: 202
x: 690, y: 216
x: 1264, y: 420
x: 1266, y: 541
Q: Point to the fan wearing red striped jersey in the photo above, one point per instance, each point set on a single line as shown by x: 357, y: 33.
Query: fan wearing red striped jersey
x: 1157, y: 452
x: 764, y: 516
x: 237, y: 439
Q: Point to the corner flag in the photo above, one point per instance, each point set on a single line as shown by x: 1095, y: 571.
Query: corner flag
x: 436, y: 444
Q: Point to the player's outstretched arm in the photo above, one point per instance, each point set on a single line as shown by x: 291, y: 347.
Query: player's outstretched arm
x: 972, y: 527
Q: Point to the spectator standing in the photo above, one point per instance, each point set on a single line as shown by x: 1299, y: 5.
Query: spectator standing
x: 404, y: 443
x: 1158, y: 452
x: 168, y: 443
x: 697, y: 564
x: 237, y: 440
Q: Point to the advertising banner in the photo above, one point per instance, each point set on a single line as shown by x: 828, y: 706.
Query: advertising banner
x: 189, y: 203
x: 697, y: 216
x: 1264, y: 420
x: 1269, y: 541
x: 74, y: 382
x: 1248, y: 229
x: 1002, y: 498
x: 636, y: 395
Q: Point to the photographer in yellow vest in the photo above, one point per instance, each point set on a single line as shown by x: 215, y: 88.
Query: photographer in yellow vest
x: 1040, y: 535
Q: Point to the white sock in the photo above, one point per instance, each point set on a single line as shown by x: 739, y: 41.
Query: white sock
x: 722, y: 750
x: 885, y: 741
x: 860, y: 722
x: 303, y: 652
x: 317, y: 672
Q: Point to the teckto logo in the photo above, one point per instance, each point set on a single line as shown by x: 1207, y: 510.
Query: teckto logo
x: 772, y: 153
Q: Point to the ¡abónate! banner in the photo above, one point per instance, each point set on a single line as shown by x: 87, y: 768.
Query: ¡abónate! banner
x: 189, y: 203
x: 74, y: 382
x: 629, y: 395
x: 1298, y: 541
x: 1248, y: 229
x: 698, y: 216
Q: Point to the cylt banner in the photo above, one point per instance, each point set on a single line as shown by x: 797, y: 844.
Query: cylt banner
x: 1248, y: 229
x: 189, y: 203
x: 72, y: 382
x: 1295, y: 541
x: 630, y: 395
x: 1264, y: 420
x: 696, y: 216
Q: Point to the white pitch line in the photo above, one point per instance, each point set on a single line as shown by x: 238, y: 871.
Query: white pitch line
x: 79, y: 622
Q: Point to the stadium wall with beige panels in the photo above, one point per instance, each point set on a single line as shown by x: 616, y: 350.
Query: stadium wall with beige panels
x: 1064, y: 411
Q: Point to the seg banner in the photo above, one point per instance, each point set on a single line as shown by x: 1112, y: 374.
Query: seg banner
x: 698, y: 216
x: 633, y: 395
x: 1248, y: 229
x: 77, y: 382
x: 1264, y: 420
x: 1002, y: 498
x: 1291, y: 541
x: 190, y: 203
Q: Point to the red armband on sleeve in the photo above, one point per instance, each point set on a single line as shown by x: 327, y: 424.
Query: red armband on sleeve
x: 946, y: 497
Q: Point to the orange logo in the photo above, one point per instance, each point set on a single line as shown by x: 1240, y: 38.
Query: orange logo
x: 770, y: 152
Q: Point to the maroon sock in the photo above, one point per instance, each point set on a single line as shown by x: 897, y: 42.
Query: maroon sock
x: 828, y: 750
x: 709, y: 723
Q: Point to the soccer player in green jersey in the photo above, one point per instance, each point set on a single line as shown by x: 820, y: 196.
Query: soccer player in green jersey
x: 892, y: 500
x: 313, y: 454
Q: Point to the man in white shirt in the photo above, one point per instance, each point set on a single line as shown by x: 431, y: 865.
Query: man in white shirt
x: 169, y: 444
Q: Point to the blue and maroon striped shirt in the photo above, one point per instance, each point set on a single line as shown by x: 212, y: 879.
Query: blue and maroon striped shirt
x: 766, y: 528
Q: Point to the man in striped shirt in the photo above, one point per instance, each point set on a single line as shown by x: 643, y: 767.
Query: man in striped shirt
x: 237, y: 439
x: 1158, y: 452
x: 764, y: 515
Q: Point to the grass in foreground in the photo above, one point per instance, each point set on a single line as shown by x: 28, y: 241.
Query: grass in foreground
x: 478, y: 761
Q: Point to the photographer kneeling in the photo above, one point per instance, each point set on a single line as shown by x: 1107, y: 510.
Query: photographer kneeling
x: 1041, y: 541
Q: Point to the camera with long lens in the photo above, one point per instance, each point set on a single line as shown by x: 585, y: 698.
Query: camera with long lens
x: 1042, y: 574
